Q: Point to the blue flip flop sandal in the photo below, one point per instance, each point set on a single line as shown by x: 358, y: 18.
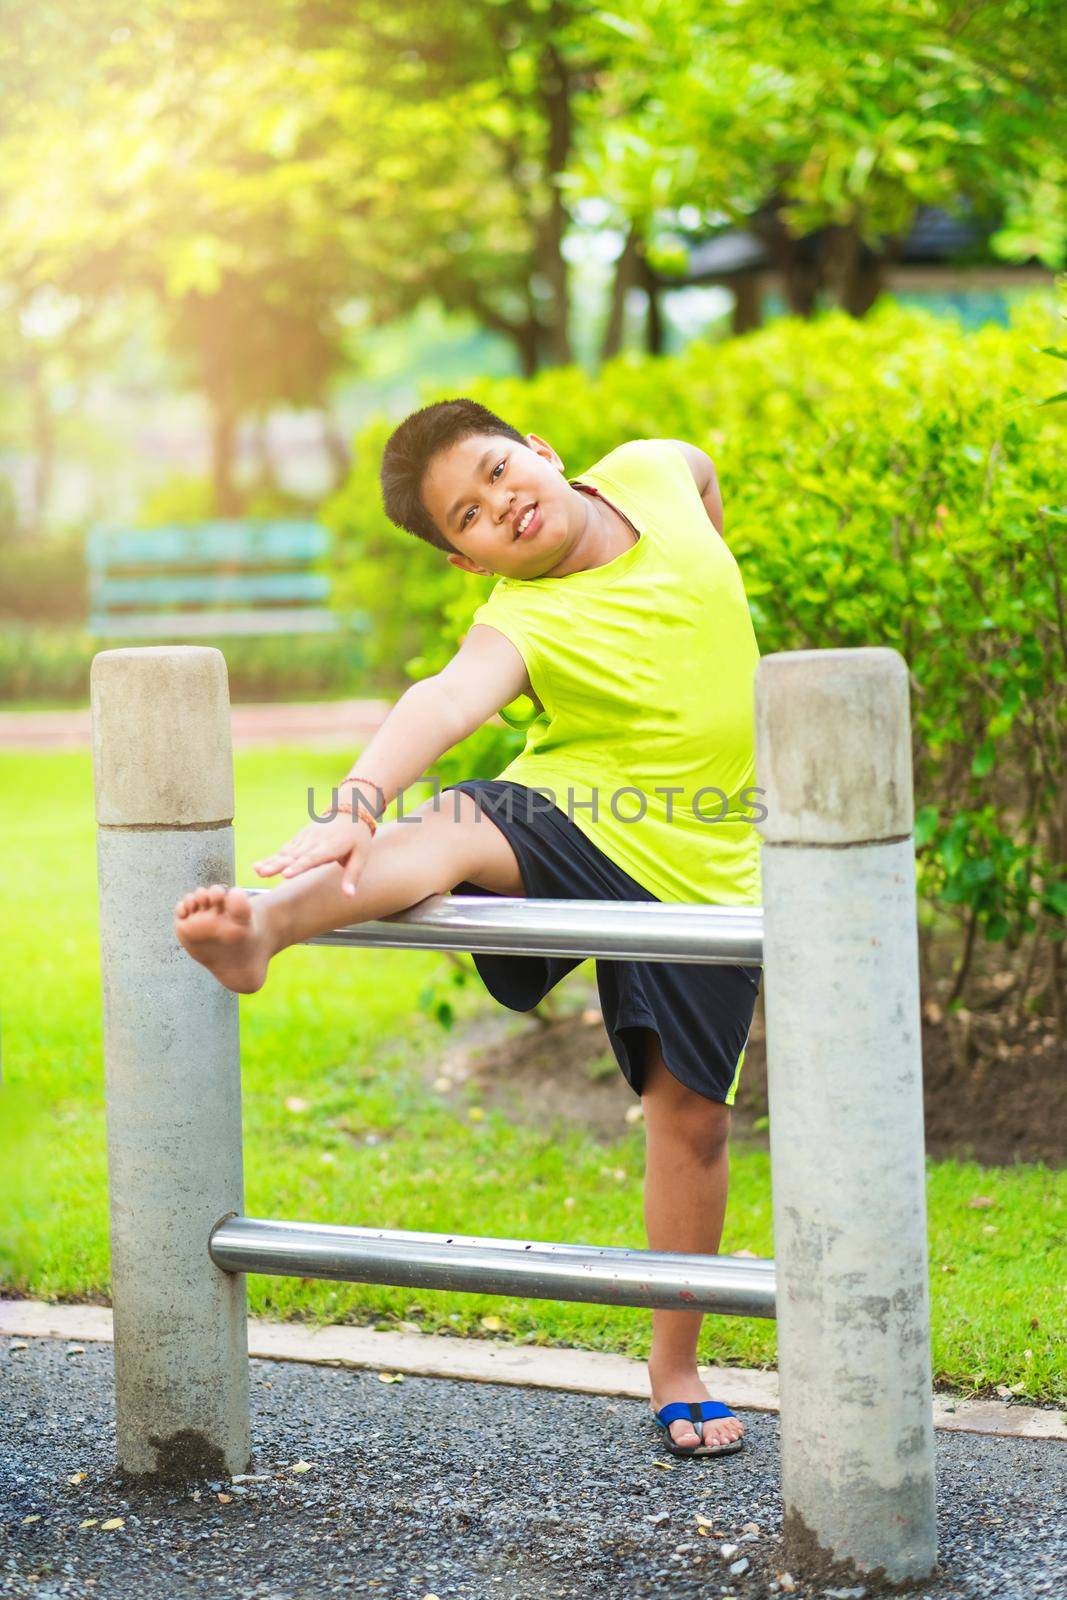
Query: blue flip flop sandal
x: 696, y: 1412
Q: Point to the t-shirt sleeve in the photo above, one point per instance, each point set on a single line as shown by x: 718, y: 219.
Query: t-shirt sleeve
x: 503, y: 618
x: 644, y: 467
x: 495, y: 613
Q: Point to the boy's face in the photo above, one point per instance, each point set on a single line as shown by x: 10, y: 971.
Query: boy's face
x: 478, y: 493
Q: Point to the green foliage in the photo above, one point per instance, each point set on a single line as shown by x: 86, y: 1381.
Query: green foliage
x: 46, y: 651
x: 177, y: 499
x: 190, y: 499
x: 42, y: 662
x: 401, y: 581
x: 892, y: 482
x: 252, y: 176
x: 847, y: 115
x: 44, y: 579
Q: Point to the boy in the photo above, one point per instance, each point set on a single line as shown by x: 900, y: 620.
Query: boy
x: 621, y: 614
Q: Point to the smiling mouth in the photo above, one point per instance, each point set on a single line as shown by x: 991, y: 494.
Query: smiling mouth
x: 525, y: 520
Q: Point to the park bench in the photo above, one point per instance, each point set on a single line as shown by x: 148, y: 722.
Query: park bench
x: 211, y: 579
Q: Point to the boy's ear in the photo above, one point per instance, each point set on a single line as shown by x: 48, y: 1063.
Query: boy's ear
x: 467, y: 565
x: 542, y: 447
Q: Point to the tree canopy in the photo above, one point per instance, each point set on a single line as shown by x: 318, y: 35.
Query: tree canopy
x: 252, y: 175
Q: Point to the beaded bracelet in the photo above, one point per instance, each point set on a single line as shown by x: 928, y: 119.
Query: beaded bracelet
x: 366, y: 814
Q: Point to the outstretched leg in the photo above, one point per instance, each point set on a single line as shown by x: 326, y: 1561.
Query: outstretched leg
x: 686, y: 1177
x: 236, y: 936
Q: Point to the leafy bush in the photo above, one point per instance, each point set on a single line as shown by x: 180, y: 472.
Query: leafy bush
x: 46, y: 650
x: 44, y: 663
x: 44, y: 579
x: 891, y: 481
x: 180, y: 498
x: 400, y: 581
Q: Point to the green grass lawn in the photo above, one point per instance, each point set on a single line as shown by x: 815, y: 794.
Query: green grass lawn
x: 344, y: 1033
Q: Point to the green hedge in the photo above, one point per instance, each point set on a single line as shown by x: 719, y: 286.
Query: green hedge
x: 891, y: 481
x: 43, y: 579
x: 46, y: 650
x: 38, y: 662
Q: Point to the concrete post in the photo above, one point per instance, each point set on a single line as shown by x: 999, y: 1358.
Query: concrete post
x: 833, y: 757
x: 163, y: 780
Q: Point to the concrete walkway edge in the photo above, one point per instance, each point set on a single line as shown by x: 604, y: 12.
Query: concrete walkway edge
x: 492, y: 1361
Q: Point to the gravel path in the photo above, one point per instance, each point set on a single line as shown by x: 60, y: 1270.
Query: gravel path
x: 429, y: 1487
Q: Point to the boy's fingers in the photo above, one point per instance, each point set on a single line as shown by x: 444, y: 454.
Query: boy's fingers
x: 268, y: 861
x: 310, y: 858
x: 286, y: 853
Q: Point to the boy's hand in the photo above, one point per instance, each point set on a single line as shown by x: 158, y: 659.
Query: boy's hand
x: 342, y: 840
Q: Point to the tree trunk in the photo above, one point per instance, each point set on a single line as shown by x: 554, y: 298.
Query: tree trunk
x: 863, y: 285
x: 44, y: 445
x: 336, y: 448
x: 748, y: 302
x: 839, y: 253
x: 626, y: 273
x: 796, y: 260
x: 223, y: 449
x: 654, y: 330
x: 527, y: 339
x: 552, y: 228
x: 851, y: 270
x: 267, y: 477
x: 801, y: 281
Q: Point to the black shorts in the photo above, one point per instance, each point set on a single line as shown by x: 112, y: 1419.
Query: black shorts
x: 701, y: 1011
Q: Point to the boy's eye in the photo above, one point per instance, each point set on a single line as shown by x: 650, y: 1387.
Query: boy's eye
x: 492, y: 478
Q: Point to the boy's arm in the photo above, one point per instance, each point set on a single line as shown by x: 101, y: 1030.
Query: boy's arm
x: 487, y: 672
x: 703, y: 470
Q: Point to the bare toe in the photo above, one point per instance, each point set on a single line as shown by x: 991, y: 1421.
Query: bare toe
x: 238, y: 905
x: 714, y: 1432
x: 221, y: 933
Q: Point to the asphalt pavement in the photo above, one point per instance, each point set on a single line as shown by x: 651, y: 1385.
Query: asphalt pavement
x: 433, y: 1487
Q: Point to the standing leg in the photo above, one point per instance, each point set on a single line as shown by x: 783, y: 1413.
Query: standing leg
x: 686, y: 1177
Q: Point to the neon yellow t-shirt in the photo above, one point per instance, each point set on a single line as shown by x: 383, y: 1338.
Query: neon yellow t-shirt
x: 645, y: 667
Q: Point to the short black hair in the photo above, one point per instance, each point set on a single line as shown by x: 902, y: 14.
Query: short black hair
x: 411, y: 448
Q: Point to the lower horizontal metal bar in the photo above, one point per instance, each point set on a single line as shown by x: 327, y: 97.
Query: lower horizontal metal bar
x: 622, y: 930
x: 738, y: 1286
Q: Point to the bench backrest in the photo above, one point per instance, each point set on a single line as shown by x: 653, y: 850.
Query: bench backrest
x: 209, y: 578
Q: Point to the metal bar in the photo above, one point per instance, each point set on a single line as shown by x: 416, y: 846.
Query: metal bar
x: 738, y: 1286
x: 619, y: 930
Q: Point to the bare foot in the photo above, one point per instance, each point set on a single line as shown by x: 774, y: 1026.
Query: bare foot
x: 667, y: 1387
x: 219, y: 928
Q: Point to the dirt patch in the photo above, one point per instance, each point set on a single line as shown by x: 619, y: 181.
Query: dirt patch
x: 994, y: 1091
x: 555, y: 1071
x: 997, y: 1109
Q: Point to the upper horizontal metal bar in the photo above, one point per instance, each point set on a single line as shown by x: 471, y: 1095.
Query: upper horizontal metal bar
x: 728, y: 1285
x: 623, y: 930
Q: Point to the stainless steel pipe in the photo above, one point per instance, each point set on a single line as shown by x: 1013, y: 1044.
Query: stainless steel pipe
x: 622, y: 930
x: 844, y: 1068
x: 738, y: 1286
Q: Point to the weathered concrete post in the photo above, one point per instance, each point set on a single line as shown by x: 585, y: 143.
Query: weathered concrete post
x: 163, y: 779
x: 833, y: 757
